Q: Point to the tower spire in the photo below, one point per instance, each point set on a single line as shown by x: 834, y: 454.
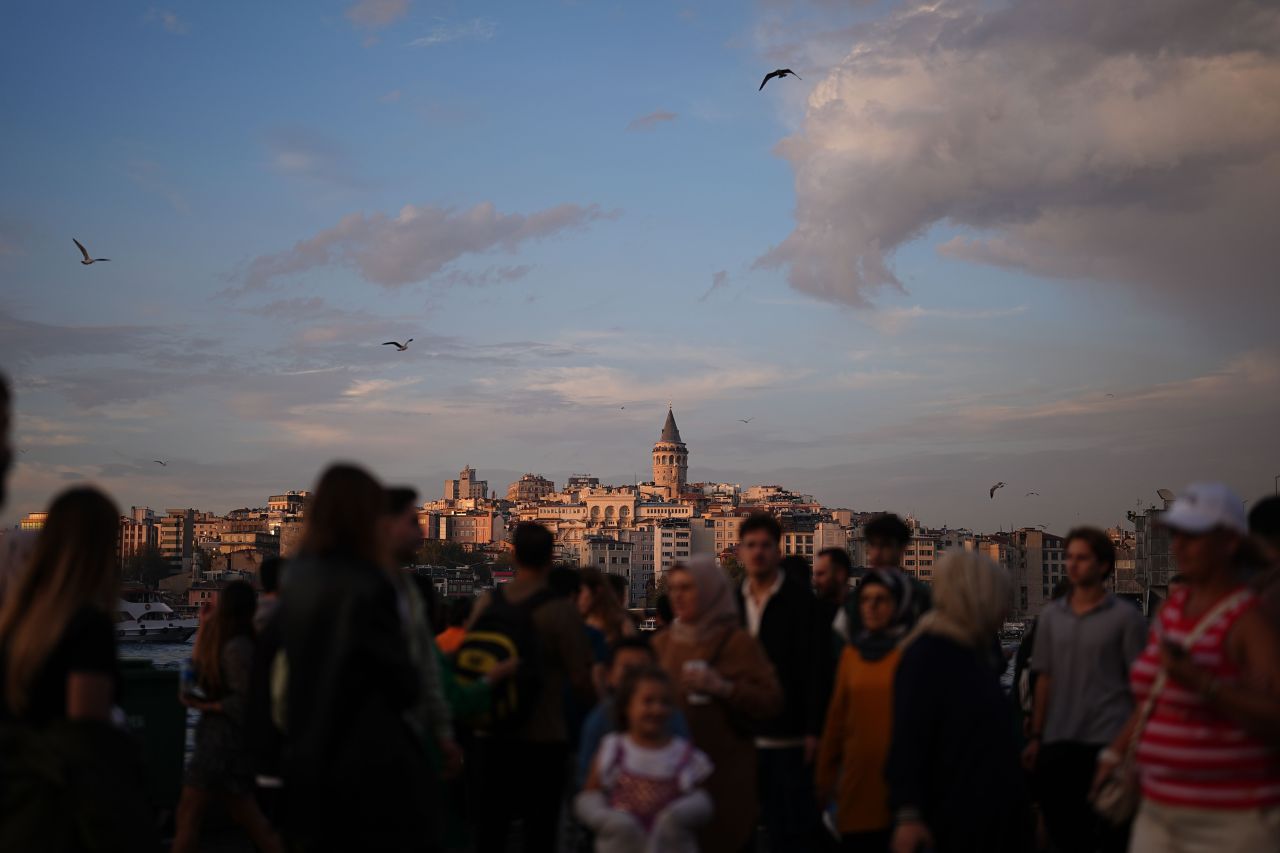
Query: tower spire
x: 671, y: 432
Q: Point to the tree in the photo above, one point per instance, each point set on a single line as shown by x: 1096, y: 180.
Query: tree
x: 147, y: 567
x: 441, y: 552
x: 203, y: 561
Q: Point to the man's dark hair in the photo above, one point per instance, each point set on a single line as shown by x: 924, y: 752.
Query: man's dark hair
x: 269, y: 574
x: 760, y: 521
x: 400, y: 498
x: 839, y: 558
x: 6, y: 453
x: 1264, y: 519
x: 637, y: 641
x: 564, y: 581
x: 459, y: 612
x: 621, y: 588
x: 533, y: 545
x: 797, y: 570
x: 1100, y: 544
x: 887, y: 527
x: 664, y: 609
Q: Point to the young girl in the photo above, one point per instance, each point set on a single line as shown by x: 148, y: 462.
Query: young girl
x: 643, y: 794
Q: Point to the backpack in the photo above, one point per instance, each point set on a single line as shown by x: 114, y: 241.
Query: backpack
x: 504, y: 631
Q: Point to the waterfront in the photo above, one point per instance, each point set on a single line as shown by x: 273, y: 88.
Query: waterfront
x: 163, y: 655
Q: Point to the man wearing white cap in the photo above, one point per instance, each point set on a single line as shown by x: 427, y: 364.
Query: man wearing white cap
x: 1207, y: 685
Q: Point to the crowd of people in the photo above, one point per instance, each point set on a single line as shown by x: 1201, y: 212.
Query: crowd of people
x: 344, y: 707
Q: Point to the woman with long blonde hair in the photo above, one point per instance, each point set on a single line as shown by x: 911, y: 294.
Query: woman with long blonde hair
x: 57, y: 629
x: 955, y: 782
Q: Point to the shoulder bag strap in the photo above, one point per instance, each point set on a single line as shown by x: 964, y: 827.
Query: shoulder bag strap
x: 1204, y: 624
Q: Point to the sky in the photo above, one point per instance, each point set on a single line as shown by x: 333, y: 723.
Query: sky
x: 977, y: 241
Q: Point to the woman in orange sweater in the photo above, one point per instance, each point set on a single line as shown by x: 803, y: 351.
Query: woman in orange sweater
x: 855, y: 740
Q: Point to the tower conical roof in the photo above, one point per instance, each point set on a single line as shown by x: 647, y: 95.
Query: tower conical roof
x: 671, y: 432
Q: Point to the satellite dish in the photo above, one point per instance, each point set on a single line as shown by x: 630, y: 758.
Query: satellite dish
x: 1165, y: 494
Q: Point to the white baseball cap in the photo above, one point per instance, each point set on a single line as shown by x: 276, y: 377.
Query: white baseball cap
x: 1204, y: 506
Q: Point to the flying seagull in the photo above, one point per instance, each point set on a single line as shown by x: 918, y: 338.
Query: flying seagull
x: 400, y: 347
x: 160, y: 462
x: 1111, y: 395
x: 780, y: 73
x: 1029, y: 494
x: 87, y: 260
x: 999, y: 485
x: 745, y: 420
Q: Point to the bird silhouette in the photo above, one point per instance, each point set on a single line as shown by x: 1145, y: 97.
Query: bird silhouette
x: 160, y: 462
x: 999, y: 485
x: 745, y: 420
x: 780, y: 73
x: 87, y: 260
x: 1029, y: 494
x: 400, y: 347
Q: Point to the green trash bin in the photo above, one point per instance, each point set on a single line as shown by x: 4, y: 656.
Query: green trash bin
x: 149, y: 698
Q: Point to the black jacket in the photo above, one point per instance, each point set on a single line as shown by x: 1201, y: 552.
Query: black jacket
x: 954, y: 752
x: 793, y: 636
x: 355, y: 776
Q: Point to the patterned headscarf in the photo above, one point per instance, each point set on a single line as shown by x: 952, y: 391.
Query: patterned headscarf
x: 874, y: 645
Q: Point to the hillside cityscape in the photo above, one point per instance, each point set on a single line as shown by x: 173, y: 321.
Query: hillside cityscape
x: 637, y: 531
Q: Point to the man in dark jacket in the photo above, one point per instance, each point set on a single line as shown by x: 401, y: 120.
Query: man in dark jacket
x: 784, y: 618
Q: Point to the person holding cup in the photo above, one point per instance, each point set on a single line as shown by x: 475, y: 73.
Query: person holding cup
x: 724, y: 684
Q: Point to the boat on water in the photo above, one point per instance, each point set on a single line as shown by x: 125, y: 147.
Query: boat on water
x: 141, y: 617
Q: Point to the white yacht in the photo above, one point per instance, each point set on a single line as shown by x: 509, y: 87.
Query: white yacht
x: 144, y: 618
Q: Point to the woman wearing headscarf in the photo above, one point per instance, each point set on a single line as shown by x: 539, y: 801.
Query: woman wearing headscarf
x: 953, y: 772
x: 855, y: 741
x: 725, y: 682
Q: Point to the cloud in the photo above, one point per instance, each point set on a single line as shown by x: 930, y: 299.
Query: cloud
x: 718, y: 280
x: 368, y: 387
x: 485, y: 278
x: 651, y: 121
x: 480, y: 29
x: 891, y: 321
x: 419, y: 242
x: 376, y: 14
x: 302, y: 153
x: 171, y: 22
x: 1124, y: 143
x: 600, y: 386
x: 23, y: 340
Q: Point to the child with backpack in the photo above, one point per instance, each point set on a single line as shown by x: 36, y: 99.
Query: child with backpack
x: 644, y: 792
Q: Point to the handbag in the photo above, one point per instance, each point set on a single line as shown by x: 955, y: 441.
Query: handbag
x: 1117, y: 798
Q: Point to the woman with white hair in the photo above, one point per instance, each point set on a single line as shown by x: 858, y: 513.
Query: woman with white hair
x: 954, y: 778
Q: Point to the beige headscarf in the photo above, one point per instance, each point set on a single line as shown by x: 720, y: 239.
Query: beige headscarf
x: 970, y: 600
x: 717, y: 608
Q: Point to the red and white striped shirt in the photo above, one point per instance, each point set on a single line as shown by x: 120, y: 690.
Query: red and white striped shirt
x: 1191, y: 755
